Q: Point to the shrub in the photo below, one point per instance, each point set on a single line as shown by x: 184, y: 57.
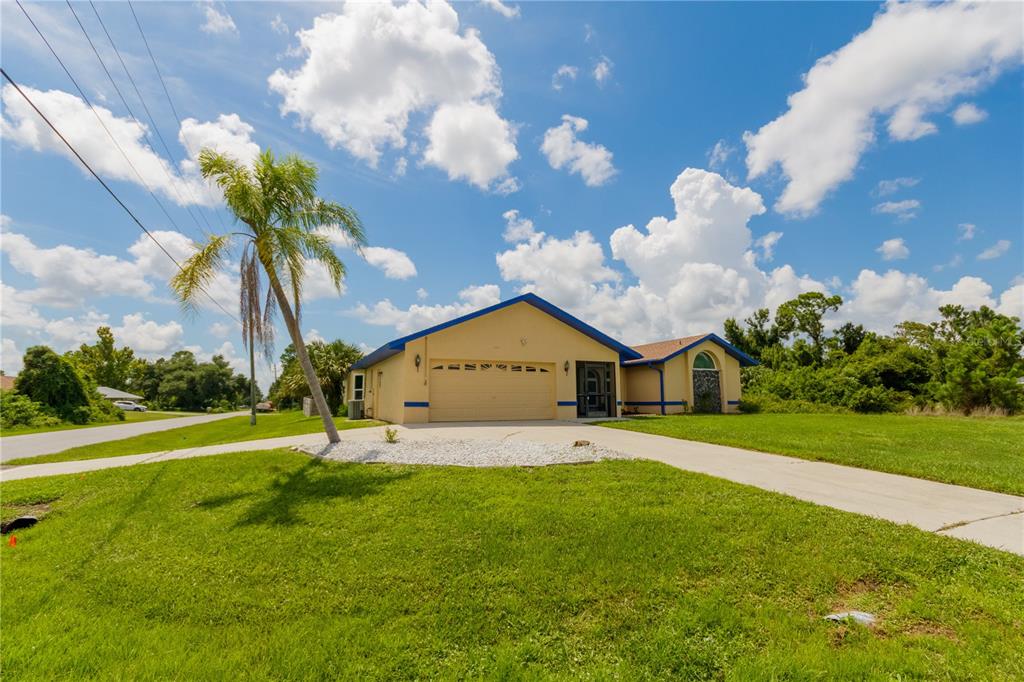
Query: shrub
x: 773, y: 405
x: 17, y: 409
x: 873, y: 399
x: 51, y: 380
x: 390, y: 435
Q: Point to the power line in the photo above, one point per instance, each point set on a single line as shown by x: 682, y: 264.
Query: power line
x: 149, y: 114
x: 167, y: 92
x: 99, y: 118
x: 131, y: 113
x: 107, y: 187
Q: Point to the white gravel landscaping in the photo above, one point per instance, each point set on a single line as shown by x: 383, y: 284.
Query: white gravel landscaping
x: 468, y: 453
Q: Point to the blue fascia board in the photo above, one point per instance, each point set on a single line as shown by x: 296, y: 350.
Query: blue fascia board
x: 567, y: 403
x: 410, y: 403
x: 398, y: 345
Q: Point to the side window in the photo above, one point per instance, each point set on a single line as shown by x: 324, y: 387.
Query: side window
x: 357, y: 386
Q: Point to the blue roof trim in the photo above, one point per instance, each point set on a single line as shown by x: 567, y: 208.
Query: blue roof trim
x: 398, y: 345
x: 744, y: 359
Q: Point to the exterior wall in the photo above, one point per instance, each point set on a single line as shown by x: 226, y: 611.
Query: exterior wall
x: 642, y: 382
x: 643, y: 389
x: 383, y: 400
x: 518, y: 333
x: 521, y: 333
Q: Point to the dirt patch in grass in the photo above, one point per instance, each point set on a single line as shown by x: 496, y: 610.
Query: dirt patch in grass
x: 928, y: 628
x: 37, y: 509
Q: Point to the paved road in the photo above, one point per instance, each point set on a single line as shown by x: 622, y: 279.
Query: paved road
x: 35, y: 444
x: 989, y: 518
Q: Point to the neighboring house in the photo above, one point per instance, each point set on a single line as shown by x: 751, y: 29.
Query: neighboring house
x: 525, y: 358
x: 114, y: 394
x: 6, y: 382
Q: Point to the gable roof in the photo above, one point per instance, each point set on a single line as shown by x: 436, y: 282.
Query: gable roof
x: 663, y: 351
x: 115, y: 394
x: 6, y: 382
x: 398, y: 345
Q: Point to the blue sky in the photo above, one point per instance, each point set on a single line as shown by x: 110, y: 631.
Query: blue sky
x: 867, y: 150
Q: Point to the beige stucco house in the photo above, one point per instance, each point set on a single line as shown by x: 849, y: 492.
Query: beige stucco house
x: 526, y: 359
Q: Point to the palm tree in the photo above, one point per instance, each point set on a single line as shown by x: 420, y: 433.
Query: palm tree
x: 332, y: 361
x: 284, y: 225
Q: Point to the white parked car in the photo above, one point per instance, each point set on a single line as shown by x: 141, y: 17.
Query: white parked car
x: 130, y: 406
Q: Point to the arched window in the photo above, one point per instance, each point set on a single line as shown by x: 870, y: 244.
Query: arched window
x: 703, y: 361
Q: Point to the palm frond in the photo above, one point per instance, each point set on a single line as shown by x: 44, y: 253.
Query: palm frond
x: 199, y: 270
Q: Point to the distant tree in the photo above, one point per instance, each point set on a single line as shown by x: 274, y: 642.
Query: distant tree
x: 760, y: 334
x: 805, y: 314
x: 331, y: 361
x: 49, y: 379
x: 103, y: 362
x: 977, y: 359
x: 849, y: 336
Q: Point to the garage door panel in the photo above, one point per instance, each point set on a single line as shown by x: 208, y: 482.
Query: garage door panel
x: 475, y: 390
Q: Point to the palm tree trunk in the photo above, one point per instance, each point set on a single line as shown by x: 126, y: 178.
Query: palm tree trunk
x: 252, y: 378
x: 303, y: 357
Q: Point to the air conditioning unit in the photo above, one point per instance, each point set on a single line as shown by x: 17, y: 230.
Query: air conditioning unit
x: 355, y: 409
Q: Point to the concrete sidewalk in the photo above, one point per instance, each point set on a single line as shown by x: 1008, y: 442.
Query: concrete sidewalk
x: 989, y: 518
x: 35, y: 444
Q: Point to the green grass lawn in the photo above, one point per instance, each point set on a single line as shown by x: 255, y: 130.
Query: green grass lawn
x: 276, y: 566
x: 129, y: 417
x: 976, y: 452
x: 229, y: 430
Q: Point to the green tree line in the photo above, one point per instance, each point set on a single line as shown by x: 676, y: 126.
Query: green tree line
x: 53, y: 389
x: 967, y: 361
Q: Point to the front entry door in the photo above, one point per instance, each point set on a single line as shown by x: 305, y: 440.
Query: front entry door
x: 595, y: 389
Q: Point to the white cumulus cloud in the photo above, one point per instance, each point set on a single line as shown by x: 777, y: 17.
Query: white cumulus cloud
x: 217, y: 21
x: 912, y: 61
x: 967, y: 114
x: 996, y: 250
x: 887, y: 187
x: 893, y: 249
x: 471, y: 142
x: 395, y: 264
x: 144, y: 166
x: 562, y: 75
x: 517, y: 228
x: 903, y: 210
x: 372, y: 66
x: 417, y: 316
x: 507, y: 11
x: 593, y: 162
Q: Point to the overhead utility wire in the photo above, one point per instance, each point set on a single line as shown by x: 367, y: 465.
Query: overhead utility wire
x: 100, y: 119
x: 107, y: 187
x: 170, y: 178
x: 167, y: 92
x: 152, y: 120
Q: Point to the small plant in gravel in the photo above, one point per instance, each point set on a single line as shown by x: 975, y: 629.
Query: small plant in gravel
x: 390, y: 435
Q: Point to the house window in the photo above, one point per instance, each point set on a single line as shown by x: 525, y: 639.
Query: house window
x: 357, y: 386
x: 703, y: 361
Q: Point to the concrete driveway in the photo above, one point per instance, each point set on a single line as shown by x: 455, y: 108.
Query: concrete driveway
x: 989, y: 518
x: 35, y: 444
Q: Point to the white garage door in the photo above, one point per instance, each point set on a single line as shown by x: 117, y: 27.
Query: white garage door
x: 488, y: 390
